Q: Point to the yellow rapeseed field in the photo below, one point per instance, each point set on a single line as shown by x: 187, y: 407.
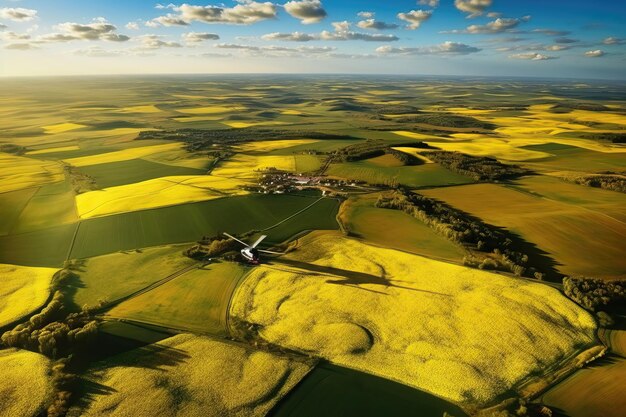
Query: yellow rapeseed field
x: 52, y: 150
x: 272, y: 145
x: 123, y: 155
x: 25, y: 385
x: 158, y: 192
x: 247, y: 167
x: 149, y: 108
x: 210, y: 109
x: 17, y: 172
x: 22, y: 290
x: 62, y: 127
x: 462, y: 334
x: 189, y: 375
x: 414, y: 135
x: 414, y: 152
x: 241, y: 125
x: 498, y: 148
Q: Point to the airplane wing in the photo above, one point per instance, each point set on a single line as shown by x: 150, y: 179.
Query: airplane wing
x: 259, y: 240
x: 269, y: 251
x: 234, y: 238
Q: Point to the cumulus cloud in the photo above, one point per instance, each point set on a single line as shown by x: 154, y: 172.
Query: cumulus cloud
x: 612, y: 40
x: 98, y: 52
x: 12, y: 36
x: 376, y: 25
x: 132, y: 26
x: 293, y: 37
x: 99, y: 29
x: 532, y: 56
x: 429, y: 3
x: 167, y: 20
x: 498, y: 25
x: 595, y: 54
x: 196, y: 37
x: 244, y: 13
x: 446, y: 48
x: 534, y: 47
x: 342, y: 32
x: 365, y: 15
x: 415, y: 17
x: 156, y: 42
x: 551, y: 32
x: 473, y: 7
x: 277, y: 51
x: 17, y: 14
x: 308, y: 11
x: 23, y: 46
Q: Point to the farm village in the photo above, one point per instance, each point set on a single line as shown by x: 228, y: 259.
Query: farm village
x: 225, y: 246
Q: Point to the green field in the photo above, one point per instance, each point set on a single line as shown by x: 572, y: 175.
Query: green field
x: 334, y: 391
x: 189, y: 222
x: 395, y: 229
x: 195, y: 301
x: 117, y: 275
x: 573, y: 158
x: 135, y: 170
x: 426, y: 175
x: 48, y: 247
x: 11, y: 205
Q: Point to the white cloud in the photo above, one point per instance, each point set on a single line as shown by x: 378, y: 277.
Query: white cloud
x: 23, y: 46
x: 156, y: 42
x: 595, y: 54
x: 277, y: 51
x: 342, y: 32
x: 551, y: 32
x: 473, y: 7
x: 3, y: 27
x: 534, y: 47
x: 532, y: 56
x: 162, y: 6
x: 196, y: 37
x: 308, y: 11
x: 415, y: 17
x: 97, y: 30
x: 132, y: 26
x: 612, y: 40
x: 244, y: 13
x: 98, y: 52
x: 446, y: 48
x: 498, y: 25
x: 17, y: 14
x: 12, y: 36
x: 365, y: 15
x: 293, y: 37
x: 376, y: 24
x: 167, y: 20
x: 429, y: 3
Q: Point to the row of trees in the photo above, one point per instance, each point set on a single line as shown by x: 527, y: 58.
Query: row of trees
x: 199, y: 139
x: 612, y: 181
x: 209, y: 247
x: 476, y: 167
x: 461, y: 228
x: 596, y: 294
x: 446, y: 120
x: 53, y: 332
x: 372, y: 148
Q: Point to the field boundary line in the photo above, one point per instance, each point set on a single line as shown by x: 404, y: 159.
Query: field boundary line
x: 293, y: 215
x: 71, y: 248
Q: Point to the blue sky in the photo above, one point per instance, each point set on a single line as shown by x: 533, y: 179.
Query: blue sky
x: 573, y: 39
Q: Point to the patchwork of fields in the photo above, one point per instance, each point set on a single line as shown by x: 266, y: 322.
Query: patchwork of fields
x: 118, y: 183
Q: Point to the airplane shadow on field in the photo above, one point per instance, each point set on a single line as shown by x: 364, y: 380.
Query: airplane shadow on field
x: 350, y: 278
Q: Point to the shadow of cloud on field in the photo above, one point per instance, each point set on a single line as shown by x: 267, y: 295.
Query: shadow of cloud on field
x: 350, y: 278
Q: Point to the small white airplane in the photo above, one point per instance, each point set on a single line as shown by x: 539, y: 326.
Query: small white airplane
x: 250, y: 253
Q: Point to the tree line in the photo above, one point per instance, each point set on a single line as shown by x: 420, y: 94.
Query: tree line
x: 596, y: 294
x: 464, y: 229
x: 608, y: 181
x: 479, y: 168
